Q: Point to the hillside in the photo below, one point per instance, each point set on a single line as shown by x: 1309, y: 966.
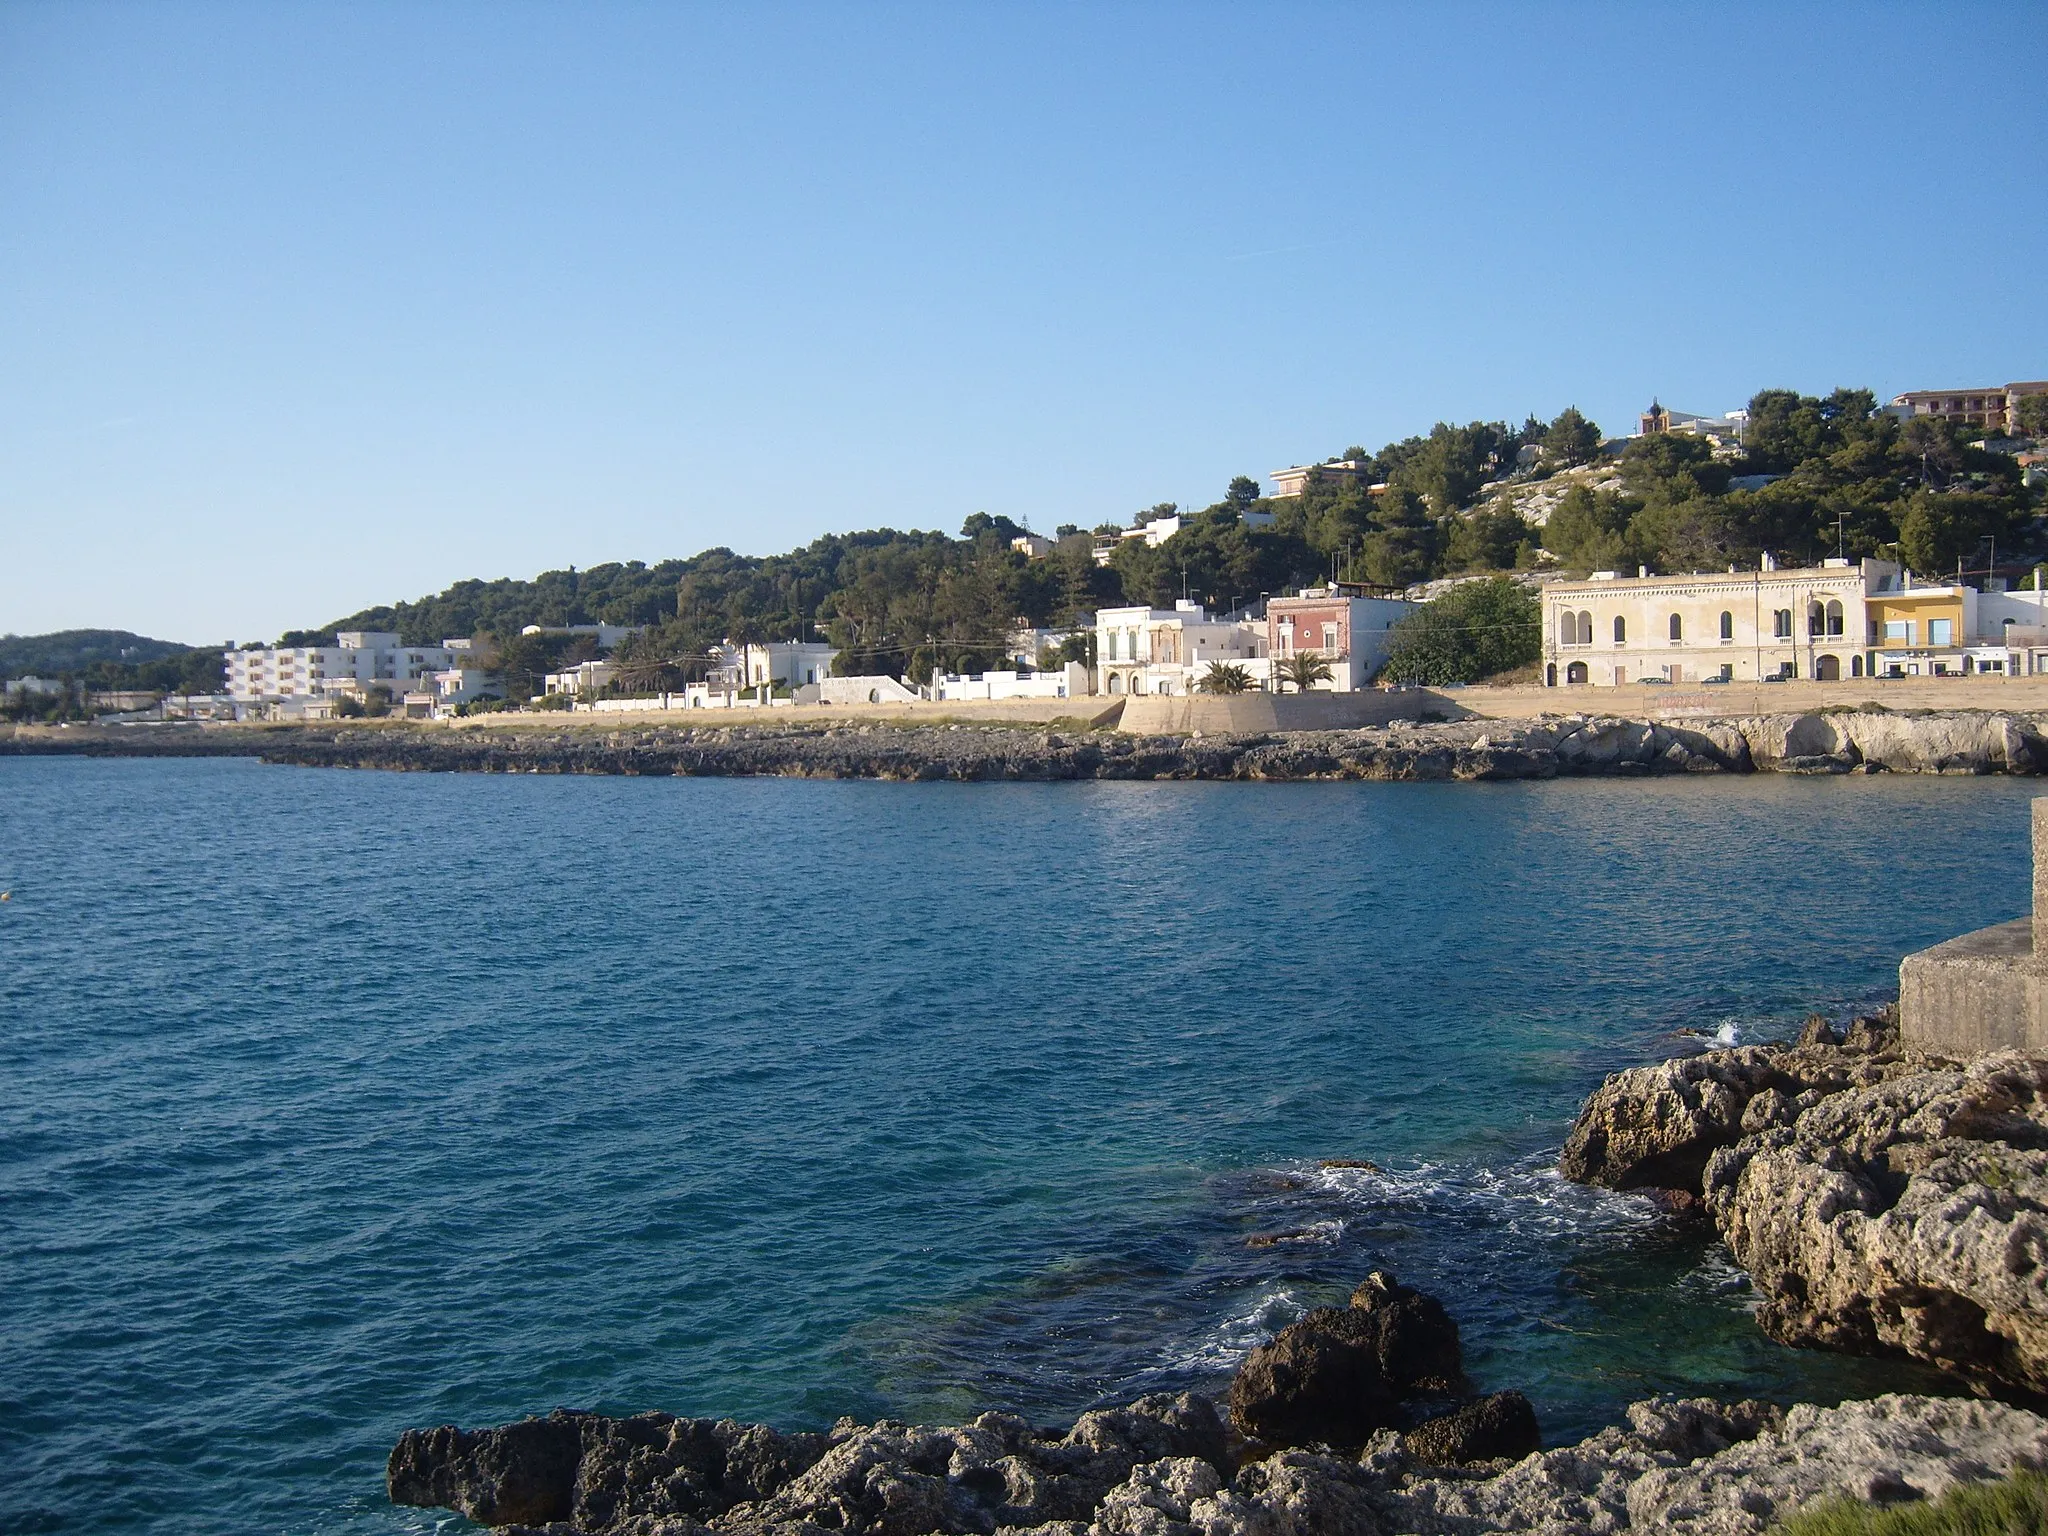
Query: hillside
x: 74, y: 650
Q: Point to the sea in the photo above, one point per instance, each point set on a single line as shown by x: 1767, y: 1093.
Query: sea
x: 334, y: 1103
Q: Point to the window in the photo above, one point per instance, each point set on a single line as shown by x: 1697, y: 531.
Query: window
x: 1941, y: 631
x: 1816, y: 619
x: 1727, y: 626
x: 1781, y: 624
x: 1834, y: 616
x: 1585, y: 628
x: 1620, y: 630
x: 1898, y: 631
x: 1677, y: 628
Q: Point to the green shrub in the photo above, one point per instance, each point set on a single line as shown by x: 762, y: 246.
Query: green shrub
x: 2016, y: 1507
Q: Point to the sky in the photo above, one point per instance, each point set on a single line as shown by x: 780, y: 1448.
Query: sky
x: 309, y: 307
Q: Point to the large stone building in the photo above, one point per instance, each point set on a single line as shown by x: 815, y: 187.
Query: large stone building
x: 1841, y: 619
x: 1992, y: 407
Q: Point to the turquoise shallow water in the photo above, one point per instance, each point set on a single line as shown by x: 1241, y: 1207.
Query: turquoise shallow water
x: 333, y: 1103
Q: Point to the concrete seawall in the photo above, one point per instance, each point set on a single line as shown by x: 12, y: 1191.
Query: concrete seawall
x: 1988, y: 990
x: 1240, y: 714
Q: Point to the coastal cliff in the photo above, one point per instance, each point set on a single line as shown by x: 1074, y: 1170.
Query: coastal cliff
x: 1958, y: 742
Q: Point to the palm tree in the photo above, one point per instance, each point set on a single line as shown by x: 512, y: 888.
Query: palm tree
x: 1305, y: 669
x: 1225, y: 677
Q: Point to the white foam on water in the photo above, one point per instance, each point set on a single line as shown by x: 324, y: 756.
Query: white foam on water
x: 1223, y: 1346
x: 1730, y: 1033
x: 1530, y: 1200
x: 1717, y: 1278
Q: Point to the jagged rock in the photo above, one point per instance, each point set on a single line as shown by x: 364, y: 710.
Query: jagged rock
x: 595, y: 1471
x: 1497, y: 1426
x: 1702, y: 1469
x: 1908, y: 1216
x: 652, y: 1475
x: 1343, y: 1372
x: 1655, y: 1127
x: 1696, y: 1468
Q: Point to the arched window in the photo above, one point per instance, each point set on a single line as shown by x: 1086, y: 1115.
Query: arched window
x: 1834, y: 616
x: 1816, y: 619
x: 1585, y: 628
x: 1855, y: 666
x: 1567, y: 629
x: 1677, y: 628
x: 1781, y: 623
x: 1620, y: 630
x: 1727, y: 625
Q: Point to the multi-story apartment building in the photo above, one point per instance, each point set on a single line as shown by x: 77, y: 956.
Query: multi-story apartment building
x: 1838, y: 620
x: 1166, y: 650
x: 1993, y: 407
x: 358, y: 661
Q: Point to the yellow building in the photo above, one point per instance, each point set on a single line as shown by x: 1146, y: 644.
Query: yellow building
x: 1825, y: 623
x: 1713, y: 626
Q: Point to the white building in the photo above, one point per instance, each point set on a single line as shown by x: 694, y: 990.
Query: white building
x: 1033, y: 646
x: 1166, y: 650
x: 39, y: 687
x: 1069, y: 682
x: 607, y: 636
x: 584, y: 677
x: 360, y: 661
x: 787, y: 664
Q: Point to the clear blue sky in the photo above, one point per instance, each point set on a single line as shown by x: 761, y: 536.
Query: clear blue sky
x: 305, y: 307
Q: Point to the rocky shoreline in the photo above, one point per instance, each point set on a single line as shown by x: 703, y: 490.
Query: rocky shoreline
x: 1953, y: 742
x: 1883, y: 1201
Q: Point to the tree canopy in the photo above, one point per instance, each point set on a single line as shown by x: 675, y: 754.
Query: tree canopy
x: 1816, y: 474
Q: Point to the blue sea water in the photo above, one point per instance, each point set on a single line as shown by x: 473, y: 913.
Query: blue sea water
x: 333, y: 1103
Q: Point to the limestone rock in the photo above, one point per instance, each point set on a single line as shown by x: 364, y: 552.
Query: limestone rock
x: 1503, y: 1425
x: 1701, y: 1469
x: 1343, y: 1372
x: 1655, y: 1127
x: 1910, y: 1216
x: 1696, y: 1468
x: 654, y: 1475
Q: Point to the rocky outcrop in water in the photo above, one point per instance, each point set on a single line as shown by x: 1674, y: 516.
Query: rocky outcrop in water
x: 1343, y: 1372
x: 1882, y: 1202
x: 1656, y: 1127
x: 1967, y: 742
x: 1697, y: 1468
x: 1909, y: 1216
